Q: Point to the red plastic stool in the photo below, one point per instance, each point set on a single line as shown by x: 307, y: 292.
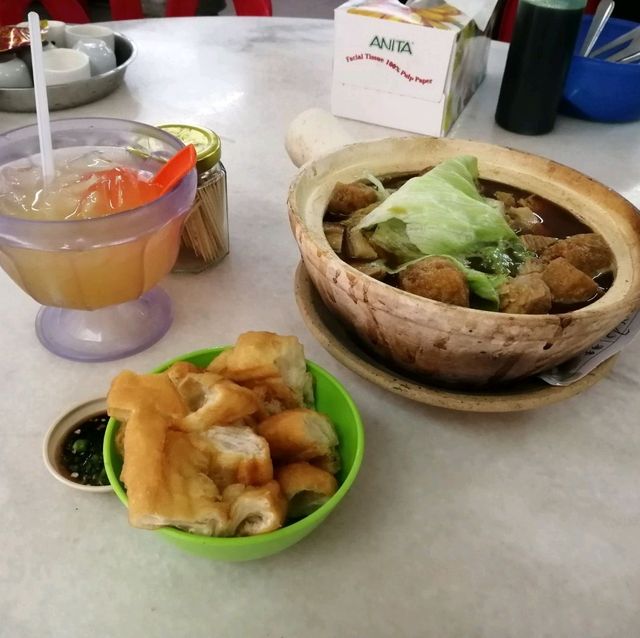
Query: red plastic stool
x: 126, y: 9
x: 132, y: 9
x: 14, y: 11
x: 253, y: 7
x: 177, y: 8
x: 508, y: 18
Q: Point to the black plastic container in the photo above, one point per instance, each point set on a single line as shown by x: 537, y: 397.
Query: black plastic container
x: 539, y: 57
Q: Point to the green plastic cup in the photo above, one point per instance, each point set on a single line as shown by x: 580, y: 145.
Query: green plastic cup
x: 331, y: 399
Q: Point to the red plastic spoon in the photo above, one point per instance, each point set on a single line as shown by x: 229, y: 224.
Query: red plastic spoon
x: 175, y: 169
x: 120, y: 189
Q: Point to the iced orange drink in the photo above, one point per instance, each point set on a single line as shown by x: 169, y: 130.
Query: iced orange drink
x: 89, y: 185
x: 96, y: 236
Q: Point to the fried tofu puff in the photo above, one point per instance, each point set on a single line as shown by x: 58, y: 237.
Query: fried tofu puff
x: 525, y: 295
x: 522, y: 219
x: 532, y: 266
x: 587, y: 252
x: 348, y: 198
x: 537, y: 243
x: 436, y: 278
x: 567, y: 284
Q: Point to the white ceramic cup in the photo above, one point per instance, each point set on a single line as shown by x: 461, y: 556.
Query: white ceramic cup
x: 25, y: 54
x: 101, y: 58
x: 14, y: 73
x: 62, y: 66
x: 77, y: 32
x: 55, y: 32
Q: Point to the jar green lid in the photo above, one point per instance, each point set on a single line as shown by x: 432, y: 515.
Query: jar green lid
x: 207, y: 143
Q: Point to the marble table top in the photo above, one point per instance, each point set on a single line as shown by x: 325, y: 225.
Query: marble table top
x: 459, y: 525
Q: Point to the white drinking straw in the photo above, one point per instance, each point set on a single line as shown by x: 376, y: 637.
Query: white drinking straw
x: 42, y: 104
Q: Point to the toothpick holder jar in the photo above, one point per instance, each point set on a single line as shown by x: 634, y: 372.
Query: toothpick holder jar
x: 205, y: 236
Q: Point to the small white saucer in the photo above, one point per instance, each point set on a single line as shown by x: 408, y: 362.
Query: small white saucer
x: 56, y: 435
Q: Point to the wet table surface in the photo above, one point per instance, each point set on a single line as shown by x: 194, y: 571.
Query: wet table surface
x: 459, y: 525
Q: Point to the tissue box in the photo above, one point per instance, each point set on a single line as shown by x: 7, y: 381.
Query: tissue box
x: 410, y: 67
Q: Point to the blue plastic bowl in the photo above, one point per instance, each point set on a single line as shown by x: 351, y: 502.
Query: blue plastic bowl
x: 602, y: 91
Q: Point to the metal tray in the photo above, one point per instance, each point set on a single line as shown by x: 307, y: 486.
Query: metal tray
x: 65, y: 96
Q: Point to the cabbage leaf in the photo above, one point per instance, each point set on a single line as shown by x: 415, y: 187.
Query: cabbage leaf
x: 442, y: 213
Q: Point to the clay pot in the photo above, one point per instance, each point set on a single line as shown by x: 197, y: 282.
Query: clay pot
x: 449, y: 343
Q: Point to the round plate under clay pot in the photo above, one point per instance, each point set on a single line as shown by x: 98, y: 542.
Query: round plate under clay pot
x: 526, y: 394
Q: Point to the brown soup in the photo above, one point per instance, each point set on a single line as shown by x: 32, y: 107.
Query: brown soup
x: 555, y: 221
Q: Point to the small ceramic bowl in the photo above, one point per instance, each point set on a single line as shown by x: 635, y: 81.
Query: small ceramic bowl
x: 102, y: 59
x: 53, y: 440
x: 331, y: 399
x: 25, y: 55
x: 76, y: 32
x: 63, y: 66
x: 55, y: 32
x: 14, y: 72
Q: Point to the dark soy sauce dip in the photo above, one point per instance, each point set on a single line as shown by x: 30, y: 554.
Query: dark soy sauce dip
x: 81, y: 452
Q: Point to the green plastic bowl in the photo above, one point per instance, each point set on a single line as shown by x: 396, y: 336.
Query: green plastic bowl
x: 331, y: 399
